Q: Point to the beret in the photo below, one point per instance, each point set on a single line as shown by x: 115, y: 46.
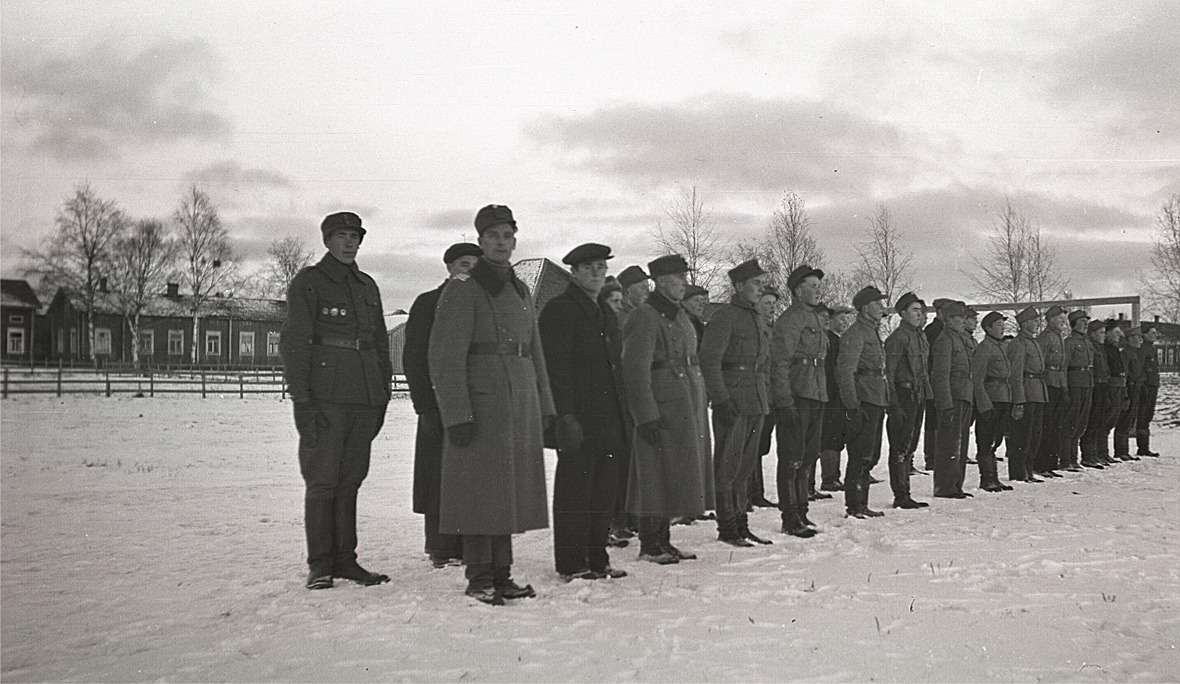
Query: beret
x: 867, y: 295
x: 906, y: 300
x: 491, y: 215
x: 631, y: 275
x: 587, y: 252
x: 971, y: 311
x: 667, y: 265
x: 800, y: 273
x: 745, y: 270
x: 1135, y: 331
x: 341, y: 219
x: 461, y: 249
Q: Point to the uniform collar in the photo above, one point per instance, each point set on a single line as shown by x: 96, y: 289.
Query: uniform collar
x: 741, y: 302
x: 664, y: 305
x: 492, y: 279
x: 335, y: 269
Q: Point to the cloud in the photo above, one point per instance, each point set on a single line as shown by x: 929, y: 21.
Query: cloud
x: 769, y: 144
x: 231, y: 175
x: 92, y: 102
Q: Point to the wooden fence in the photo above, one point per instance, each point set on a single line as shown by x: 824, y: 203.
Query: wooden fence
x: 59, y: 382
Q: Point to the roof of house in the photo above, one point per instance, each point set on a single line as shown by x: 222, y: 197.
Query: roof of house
x: 544, y: 278
x: 243, y: 308
x: 18, y: 294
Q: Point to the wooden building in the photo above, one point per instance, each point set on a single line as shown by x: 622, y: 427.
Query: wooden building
x: 19, y: 308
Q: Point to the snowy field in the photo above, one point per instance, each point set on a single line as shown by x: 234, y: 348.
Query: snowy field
x: 161, y: 540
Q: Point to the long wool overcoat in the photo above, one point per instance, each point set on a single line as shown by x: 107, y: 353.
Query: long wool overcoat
x: 663, y: 381
x: 496, y: 484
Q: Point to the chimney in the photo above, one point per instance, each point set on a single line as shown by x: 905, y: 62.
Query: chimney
x: 102, y: 284
x: 1121, y: 315
x: 1157, y: 319
x: 173, y: 290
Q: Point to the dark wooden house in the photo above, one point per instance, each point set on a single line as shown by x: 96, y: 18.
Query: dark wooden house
x: 19, y: 307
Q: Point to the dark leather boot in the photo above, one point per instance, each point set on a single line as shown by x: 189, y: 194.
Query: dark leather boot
x: 795, y: 527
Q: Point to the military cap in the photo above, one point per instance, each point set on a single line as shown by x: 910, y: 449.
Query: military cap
x: 461, y: 249
x: 1026, y: 315
x: 800, y: 273
x: 1053, y: 312
x: 1148, y: 327
x: 631, y: 275
x: 992, y: 317
x: 940, y: 302
x: 1095, y: 325
x: 1111, y: 324
x: 694, y: 291
x: 1135, y: 331
x: 609, y: 287
x: 906, y: 300
x: 587, y: 252
x: 841, y: 309
x: 772, y: 291
x: 971, y: 312
x: 744, y: 271
x: 341, y: 219
x: 954, y: 308
x: 491, y: 215
x: 1075, y: 315
x: 667, y: 265
x: 866, y: 295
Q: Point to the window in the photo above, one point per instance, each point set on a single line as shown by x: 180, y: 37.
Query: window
x: 272, y: 344
x: 212, y: 343
x: 246, y: 344
x: 16, y: 319
x: 147, y: 342
x: 16, y: 341
x: 176, y: 342
x: 73, y: 341
x: 102, y: 340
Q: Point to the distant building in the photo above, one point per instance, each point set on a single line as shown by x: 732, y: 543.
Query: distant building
x: 544, y: 278
x: 19, y: 307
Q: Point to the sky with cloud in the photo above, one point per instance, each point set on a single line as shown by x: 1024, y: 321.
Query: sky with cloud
x: 587, y: 117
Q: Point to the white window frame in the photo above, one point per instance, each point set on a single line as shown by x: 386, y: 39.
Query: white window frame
x: 212, y: 343
x: 148, y: 337
x: 244, y: 337
x: 178, y: 337
x: 102, y: 341
x: 16, y: 341
x: 16, y: 319
x: 272, y: 343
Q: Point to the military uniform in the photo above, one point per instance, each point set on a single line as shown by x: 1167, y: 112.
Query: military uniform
x: 930, y: 418
x: 1078, y: 359
x: 1026, y: 383
x: 951, y: 383
x: 1147, y: 398
x: 1118, y: 397
x: 907, y: 354
x: 832, y: 434
x: 990, y: 374
x: 1100, y: 403
x: 734, y: 356
x: 336, y: 363
x: 1054, y: 438
x: 799, y: 351
x: 1133, y: 363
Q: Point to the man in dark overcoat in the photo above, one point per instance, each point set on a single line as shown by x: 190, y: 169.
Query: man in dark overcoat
x: 906, y: 357
x: 443, y: 549
x: 951, y: 382
x: 865, y: 391
x: 1149, y: 393
x: 1026, y: 383
x: 735, y: 362
x: 488, y: 370
x: 671, y: 467
x: 336, y: 363
x: 1054, y: 439
x: 582, y: 343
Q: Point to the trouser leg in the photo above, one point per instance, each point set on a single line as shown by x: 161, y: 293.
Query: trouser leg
x: 829, y: 462
x: 1075, y: 422
x: 966, y: 417
x: 651, y: 534
x: 1126, y: 422
x: 867, y: 446
x: 602, y: 505
x: 1048, y: 454
x: 1099, y: 407
x: 900, y: 425
x: 916, y: 429
x: 946, y: 466
x: 572, y: 489
x: 930, y: 441
x: 1148, y: 395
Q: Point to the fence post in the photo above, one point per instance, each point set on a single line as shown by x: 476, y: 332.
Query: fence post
x: 59, y: 378
x: 202, y: 384
x: 241, y: 387
x: 108, y: 372
x: 4, y: 395
x: 151, y: 383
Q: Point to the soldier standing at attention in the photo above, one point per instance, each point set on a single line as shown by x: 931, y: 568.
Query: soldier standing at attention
x: 860, y: 373
x: 1150, y: 391
x: 990, y: 373
x: 337, y: 367
x: 1118, y: 388
x: 735, y: 355
x: 834, y: 433
x: 798, y: 351
x: 582, y: 355
x: 443, y: 549
x: 1054, y: 440
x: 1079, y: 366
x: 1100, y: 397
x: 1027, y: 386
x: 906, y: 355
x: 1133, y: 361
x: 930, y: 438
x: 635, y: 290
x: 950, y: 380
x: 694, y: 301
x: 766, y: 308
x: 488, y: 369
x: 671, y: 469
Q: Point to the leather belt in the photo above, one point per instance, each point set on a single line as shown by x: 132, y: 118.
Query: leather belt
x: 725, y: 365
x: 1053, y: 368
x: 872, y: 372
x: 499, y: 349
x: 342, y: 342
x: 1117, y: 381
x: 808, y: 362
x: 905, y: 385
x: 1079, y: 369
x: 1036, y: 376
x: 995, y: 378
x: 674, y: 363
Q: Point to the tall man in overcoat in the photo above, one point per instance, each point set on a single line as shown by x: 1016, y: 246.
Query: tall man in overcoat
x: 991, y: 373
x: 671, y: 467
x: 583, y: 346
x: 798, y: 352
x: 336, y: 363
x: 735, y: 362
x: 1078, y: 360
x: 1026, y: 383
x: 907, y: 354
x: 1133, y: 362
x: 1100, y: 396
x: 865, y: 391
x: 1054, y: 438
x: 443, y: 549
x: 488, y: 369
x: 951, y: 381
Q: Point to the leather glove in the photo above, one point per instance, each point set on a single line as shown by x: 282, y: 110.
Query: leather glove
x: 461, y: 434
x: 309, y: 420
x: 1018, y: 412
x: 652, y: 432
x: 569, y: 433
x: 430, y: 424
x: 946, y: 417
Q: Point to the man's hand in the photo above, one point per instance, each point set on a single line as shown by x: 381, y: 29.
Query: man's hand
x: 569, y: 433
x: 1018, y: 412
x: 652, y: 432
x: 461, y: 434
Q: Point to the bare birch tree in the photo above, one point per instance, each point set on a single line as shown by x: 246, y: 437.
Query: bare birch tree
x: 789, y: 242
x: 1018, y: 263
x: 77, y: 255
x: 205, y: 254
x: 1162, y: 282
x: 144, y: 258
x: 883, y: 262
x: 287, y: 257
x: 687, y: 228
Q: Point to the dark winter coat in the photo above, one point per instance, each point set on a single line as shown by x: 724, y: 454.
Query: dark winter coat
x: 907, y: 355
x: 1053, y: 349
x: 1078, y: 360
x: 799, y: 353
x: 950, y: 376
x: 735, y: 358
x: 860, y: 367
x: 1027, y: 365
x: 990, y: 372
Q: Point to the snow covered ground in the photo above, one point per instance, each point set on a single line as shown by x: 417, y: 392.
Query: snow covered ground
x: 161, y: 540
